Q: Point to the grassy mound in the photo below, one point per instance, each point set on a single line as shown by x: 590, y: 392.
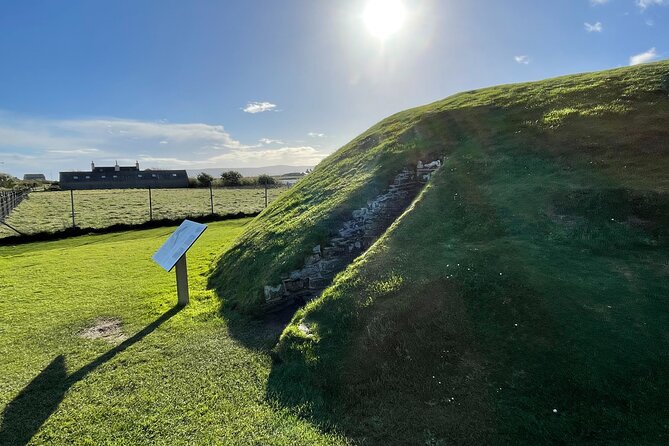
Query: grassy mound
x: 523, y: 297
x: 612, y: 122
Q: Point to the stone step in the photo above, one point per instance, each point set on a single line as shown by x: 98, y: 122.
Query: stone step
x: 354, y: 237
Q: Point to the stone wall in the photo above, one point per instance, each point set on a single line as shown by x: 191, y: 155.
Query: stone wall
x: 352, y: 238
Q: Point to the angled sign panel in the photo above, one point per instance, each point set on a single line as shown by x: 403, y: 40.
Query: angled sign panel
x: 178, y: 243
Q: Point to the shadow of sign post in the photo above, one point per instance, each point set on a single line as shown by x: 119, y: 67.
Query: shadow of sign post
x: 30, y: 409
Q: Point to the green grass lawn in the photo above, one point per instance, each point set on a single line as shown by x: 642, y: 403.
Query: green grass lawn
x: 172, y: 377
x: 51, y: 211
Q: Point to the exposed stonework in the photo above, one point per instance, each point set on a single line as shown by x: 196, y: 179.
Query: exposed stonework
x: 353, y: 237
x: 424, y: 171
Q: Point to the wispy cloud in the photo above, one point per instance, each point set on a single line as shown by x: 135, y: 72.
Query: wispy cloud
x: 75, y: 152
x: 598, y: 2
x: 305, y: 155
x: 316, y: 135
x: 259, y: 107
x: 270, y: 141
x: 524, y: 60
x: 38, y: 144
x: 644, y: 57
x: 644, y: 4
x: 594, y: 27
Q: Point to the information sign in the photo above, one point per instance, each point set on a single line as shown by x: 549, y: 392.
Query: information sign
x: 178, y: 243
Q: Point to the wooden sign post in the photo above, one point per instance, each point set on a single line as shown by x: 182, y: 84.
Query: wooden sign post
x: 182, y: 281
x: 173, y: 253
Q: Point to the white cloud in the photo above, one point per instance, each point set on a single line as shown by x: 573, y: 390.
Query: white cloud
x: 524, y: 60
x: 259, y: 107
x: 643, y: 4
x: 305, y: 155
x: 124, y: 129
x: 594, y: 28
x: 75, y: 151
x: 36, y: 144
x: 316, y: 135
x: 645, y: 57
x: 598, y: 2
x: 270, y: 141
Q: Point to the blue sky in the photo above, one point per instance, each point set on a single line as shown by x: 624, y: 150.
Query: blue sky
x: 174, y: 83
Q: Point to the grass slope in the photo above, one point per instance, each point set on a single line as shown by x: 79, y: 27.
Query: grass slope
x: 50, y: 211
x: 613, y: 123
x: 523, y: 299
x: 177, y: 378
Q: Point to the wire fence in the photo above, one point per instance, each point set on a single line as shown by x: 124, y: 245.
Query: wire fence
x: 52, y: 211
x: 9, y: 200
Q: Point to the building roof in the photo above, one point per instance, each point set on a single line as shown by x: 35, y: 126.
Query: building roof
x: 34, y: 176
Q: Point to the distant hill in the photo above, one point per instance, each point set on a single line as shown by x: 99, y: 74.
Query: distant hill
x: 521, y: 298
x: 250, y: 171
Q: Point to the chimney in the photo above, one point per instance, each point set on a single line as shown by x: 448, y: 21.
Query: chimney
x: 92, y: 166
x: 116, y: 167
x: 137, y: 164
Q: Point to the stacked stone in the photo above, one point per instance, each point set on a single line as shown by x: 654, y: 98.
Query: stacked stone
x: 424, y: 171
x: 353, y: 237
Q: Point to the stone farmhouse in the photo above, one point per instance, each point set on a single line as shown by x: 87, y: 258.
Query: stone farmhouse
x: 123, y: 177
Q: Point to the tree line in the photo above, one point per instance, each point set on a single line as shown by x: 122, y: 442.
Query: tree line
x: 231, y: 178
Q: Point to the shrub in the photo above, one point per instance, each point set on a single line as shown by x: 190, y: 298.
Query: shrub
x: 7, y: 181
x: 204, y: 179
x: 231, y: 178
x: 266, y: 180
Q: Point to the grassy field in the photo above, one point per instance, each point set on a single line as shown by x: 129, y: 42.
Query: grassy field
x: 523, y: 299
x: 51, y: 211
x: 168, y: 377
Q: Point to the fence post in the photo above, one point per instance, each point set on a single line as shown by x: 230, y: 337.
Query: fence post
x: 265, y: 195
x: 150, y: 206
x: 3, y: 203
x: 211, y: 199
x: 72, y: 204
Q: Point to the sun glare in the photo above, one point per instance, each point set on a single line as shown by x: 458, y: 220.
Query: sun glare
x: 384, y: 18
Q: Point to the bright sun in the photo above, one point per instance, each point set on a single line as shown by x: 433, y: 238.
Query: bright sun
x: 384, y: 17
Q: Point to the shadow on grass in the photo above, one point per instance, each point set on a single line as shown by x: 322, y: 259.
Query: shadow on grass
x: 26, y: 413
x: 259, y: 333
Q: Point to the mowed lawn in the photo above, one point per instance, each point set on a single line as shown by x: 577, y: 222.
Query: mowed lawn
x: 51, y: 211
x: 170, y: 377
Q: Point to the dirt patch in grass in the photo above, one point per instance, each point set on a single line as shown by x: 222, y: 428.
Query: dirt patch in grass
x: 107, y: 329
